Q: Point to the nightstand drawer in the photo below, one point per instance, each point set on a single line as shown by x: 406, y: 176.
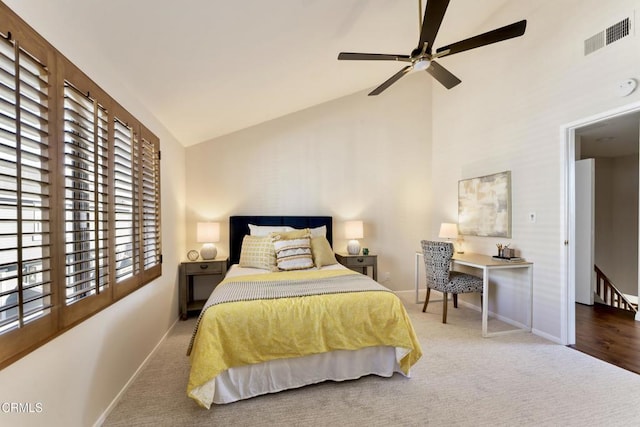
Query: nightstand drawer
x: 358, y: 261
x: 203, y: 267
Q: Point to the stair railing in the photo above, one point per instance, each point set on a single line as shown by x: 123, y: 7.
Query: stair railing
x: 610, y: 294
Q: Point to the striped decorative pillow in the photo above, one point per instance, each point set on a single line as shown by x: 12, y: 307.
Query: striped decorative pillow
x: 294, y: 254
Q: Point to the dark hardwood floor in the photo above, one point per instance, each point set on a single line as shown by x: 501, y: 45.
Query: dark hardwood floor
x: 609, y: 334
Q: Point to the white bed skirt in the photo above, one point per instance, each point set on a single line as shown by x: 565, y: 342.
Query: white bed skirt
x: 282, y: 374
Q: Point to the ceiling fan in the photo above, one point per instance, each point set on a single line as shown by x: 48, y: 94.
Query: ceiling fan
x: 422, y: 57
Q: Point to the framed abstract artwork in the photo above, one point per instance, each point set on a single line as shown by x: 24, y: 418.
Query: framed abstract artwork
x: 484, y: 205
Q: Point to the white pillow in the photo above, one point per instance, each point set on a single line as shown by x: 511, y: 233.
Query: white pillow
x: 265, y: 230
x: 319, y: 231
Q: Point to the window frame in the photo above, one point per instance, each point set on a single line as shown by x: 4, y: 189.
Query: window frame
x: 17, y: 342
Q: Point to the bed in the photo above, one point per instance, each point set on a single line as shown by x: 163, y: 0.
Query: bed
x: 265, y: 330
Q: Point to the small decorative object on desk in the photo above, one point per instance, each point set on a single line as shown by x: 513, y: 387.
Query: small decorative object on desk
x: 365, y: 251
x: 506, y: 253
x: 512, y: 259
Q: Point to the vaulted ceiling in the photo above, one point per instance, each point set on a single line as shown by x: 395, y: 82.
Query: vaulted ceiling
x: 206, y: 68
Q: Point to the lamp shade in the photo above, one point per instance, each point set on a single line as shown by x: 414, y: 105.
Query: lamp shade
x: 353, y: 230
x: 208, y: 232
x: 448, y: 231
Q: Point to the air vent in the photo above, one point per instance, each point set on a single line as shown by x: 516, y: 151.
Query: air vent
x: 606, y: 37
x: 594, y: 43
x: 618, y: 31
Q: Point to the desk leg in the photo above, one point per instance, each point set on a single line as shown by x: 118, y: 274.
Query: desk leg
x: 485, y: 302
x: 530, y: 298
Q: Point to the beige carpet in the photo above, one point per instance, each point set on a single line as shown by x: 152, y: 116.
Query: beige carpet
x: 462, y: 379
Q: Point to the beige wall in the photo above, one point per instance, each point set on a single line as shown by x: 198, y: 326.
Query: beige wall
x: 358, y: 157
x: 77, y: 375
x: 508, y: 114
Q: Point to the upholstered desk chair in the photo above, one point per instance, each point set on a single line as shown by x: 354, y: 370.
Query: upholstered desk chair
x: 437, y: 262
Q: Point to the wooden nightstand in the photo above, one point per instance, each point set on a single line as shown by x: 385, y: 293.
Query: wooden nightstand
x: 360, y: 263
x: 216, y: 269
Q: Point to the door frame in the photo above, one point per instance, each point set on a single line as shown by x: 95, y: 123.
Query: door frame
x: 568, y: 134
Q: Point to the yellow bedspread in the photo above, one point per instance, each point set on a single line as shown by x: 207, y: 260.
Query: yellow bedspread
x: 248, y: 332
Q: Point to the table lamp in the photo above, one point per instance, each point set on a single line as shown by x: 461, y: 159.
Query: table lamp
x: 449, y: 231
x: 208, y: 233
x: 353, y: 230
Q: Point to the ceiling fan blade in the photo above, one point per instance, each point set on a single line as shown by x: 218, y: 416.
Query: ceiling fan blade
x: 504, y: 33
x: 391, y: 80
x: 353, y: 56
x: 433, y: 16
x: 443, y: 75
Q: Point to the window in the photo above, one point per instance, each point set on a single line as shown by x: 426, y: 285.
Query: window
x: 79, y: 194
x: 136, y: 203
x: 124, y: 190
x: 25, y: 277
x: 150, y: 198
x: 85, y: 196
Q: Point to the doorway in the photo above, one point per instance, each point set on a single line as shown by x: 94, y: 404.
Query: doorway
x: 611, y: 139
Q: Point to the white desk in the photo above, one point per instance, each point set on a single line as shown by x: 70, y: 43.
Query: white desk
x: 487, y: 263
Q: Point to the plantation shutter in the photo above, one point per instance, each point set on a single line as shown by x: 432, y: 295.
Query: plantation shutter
x: 135, y: 170
x: 125, y: 238
x: 26, y: 295
x: 137, y: 204
x: 150, y: 186
x: 86, y: 177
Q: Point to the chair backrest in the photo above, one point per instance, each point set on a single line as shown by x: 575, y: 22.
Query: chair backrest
x: 437, y: 262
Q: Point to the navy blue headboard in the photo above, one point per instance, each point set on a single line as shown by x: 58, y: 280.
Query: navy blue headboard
x: 239, y: 227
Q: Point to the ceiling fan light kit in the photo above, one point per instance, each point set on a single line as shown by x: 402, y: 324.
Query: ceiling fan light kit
x: 421, y: 65
x: 422, y: 57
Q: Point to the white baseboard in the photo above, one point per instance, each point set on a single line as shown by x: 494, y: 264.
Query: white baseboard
x: 547, y: 336
x: 115, y: 401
